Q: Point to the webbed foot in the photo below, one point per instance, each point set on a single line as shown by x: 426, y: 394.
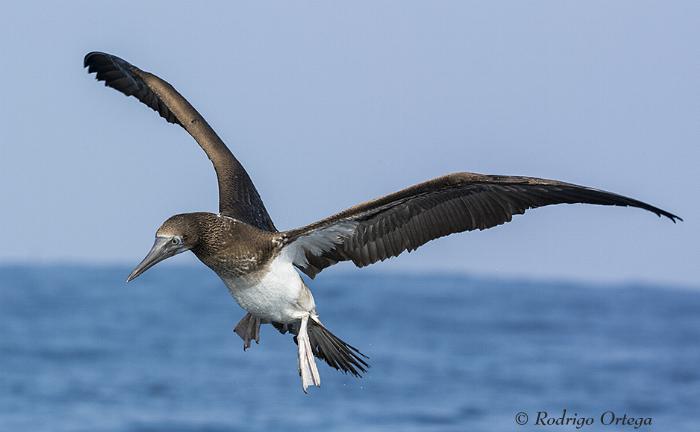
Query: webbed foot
x: 248, y: 328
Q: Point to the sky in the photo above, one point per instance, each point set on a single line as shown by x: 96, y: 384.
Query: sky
x: 328, y: 104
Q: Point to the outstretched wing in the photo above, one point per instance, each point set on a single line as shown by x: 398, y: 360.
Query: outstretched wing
x: 238, y: 197
x: 385, y: 227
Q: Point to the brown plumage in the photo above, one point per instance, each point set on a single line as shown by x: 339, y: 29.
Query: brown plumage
x: 224, y: 244
x: 238, y: 197
x: 257, y: 263
x: 405, y: 220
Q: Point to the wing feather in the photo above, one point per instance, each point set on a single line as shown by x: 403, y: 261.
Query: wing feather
x: 405, y: 220
x: 238, y: 197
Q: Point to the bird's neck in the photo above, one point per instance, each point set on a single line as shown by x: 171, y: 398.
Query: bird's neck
x: 227, y: 245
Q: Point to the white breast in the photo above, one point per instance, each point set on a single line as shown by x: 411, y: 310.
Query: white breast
x: 277, y: 294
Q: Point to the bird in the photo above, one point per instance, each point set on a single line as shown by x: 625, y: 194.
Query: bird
x: 262, y: 266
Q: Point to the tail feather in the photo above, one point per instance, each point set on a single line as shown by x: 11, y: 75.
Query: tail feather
x: 335, y: 352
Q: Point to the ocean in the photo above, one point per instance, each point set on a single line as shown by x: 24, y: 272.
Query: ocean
x: 82, y: 351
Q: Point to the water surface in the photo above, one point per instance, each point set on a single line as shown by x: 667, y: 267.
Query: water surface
x: 82, y: 351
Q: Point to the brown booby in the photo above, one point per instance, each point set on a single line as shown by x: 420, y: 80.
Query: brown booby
x: 260, y: 264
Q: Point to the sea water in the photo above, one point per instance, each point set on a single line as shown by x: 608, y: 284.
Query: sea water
x: 82, y: 351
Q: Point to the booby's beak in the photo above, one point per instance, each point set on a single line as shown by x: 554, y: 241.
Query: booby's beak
x: 162, y: 248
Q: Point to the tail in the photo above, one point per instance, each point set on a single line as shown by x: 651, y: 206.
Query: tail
x: 338, y: 354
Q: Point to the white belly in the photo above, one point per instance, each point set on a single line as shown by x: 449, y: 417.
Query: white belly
x: 278, y: 295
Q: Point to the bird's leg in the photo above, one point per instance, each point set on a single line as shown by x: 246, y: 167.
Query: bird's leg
x: 307, y: 363
x: 248, y: 328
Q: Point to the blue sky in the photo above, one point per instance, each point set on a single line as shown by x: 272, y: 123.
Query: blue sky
x: 328, y: 104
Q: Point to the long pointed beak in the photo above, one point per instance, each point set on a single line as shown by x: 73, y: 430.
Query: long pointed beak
x: 161, y: 250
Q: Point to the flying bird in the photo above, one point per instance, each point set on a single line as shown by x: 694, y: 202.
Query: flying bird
x: 260, y: 265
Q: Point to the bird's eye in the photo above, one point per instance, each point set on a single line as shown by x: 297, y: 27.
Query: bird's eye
x: 176, y: 241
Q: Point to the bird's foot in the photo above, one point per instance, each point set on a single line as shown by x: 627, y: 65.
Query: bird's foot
x: 307, y: 364
x: 248, y: 328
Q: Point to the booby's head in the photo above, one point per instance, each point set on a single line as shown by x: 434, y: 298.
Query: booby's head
x: 178, y: 234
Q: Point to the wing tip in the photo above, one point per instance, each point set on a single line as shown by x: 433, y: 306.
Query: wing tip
x: 662, y: 213
x: 671, y: 216
x: 95, y: 59
x: 94, y: 56
x: 86, y: 59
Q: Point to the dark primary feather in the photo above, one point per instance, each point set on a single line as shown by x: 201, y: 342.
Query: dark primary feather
x: 407, y: 219
x: 122, y: 76
x: 238, y: 197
